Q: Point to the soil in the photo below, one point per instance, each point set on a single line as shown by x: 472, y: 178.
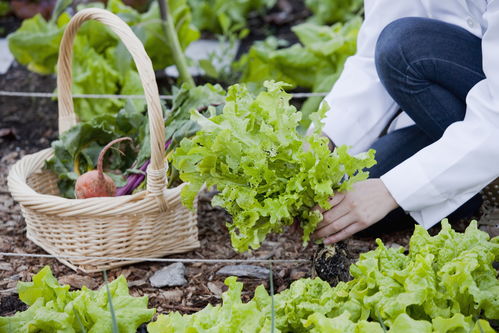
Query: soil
x: 8, y: 24
x: 277, y: 22
x: 27, y: 122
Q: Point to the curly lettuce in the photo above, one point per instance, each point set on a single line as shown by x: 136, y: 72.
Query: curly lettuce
x: 254, y: 155
x: 313, y: 64
x: 445, y: 284
x: 221, y: 16
x: 53, y: 308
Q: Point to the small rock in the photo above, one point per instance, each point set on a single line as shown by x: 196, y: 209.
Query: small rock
x: 215, y: 288
x: 170, y: 276
x: 78, y: 281
x: 15, y: 277
x: 172, y: 296
x: 297, y: 274
x: 5, y: 266
x: 246, y: 271
x: 393, y: 245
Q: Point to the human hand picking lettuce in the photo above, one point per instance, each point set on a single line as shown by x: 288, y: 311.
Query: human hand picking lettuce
x: 254, y: 155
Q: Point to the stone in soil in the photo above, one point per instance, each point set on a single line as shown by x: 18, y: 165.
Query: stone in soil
x: 245, y: 271
x: 170, y: 276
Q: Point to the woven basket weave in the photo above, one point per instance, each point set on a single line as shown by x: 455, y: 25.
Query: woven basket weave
x: 151, y: 223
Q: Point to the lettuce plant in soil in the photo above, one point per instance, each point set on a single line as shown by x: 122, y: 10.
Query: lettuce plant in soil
x: 314, y: 64
x: 445, y: 284
x: 54, y: 308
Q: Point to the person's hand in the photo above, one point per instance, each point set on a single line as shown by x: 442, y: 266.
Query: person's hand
x: 365, y: 204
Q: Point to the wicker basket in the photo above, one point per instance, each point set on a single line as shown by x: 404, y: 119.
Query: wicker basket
x: 151, y: 223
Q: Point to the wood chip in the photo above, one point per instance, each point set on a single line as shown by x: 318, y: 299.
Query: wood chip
x: 5, y: 266
x: 78, y: 281
x: 172, y: 296
x: 215, y: 288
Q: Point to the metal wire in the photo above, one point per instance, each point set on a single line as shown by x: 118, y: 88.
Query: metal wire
x: 168, y: 260
x: 103, y: 96
x: 89, y: 96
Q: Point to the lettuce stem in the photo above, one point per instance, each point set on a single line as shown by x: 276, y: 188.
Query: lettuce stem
x: 171, y: 35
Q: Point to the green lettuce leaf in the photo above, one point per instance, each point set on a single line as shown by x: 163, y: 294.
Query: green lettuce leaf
x: 231, y: 316
x: 53, y: 308
x: 318, y: 323
x: 203, y: 98
x: 221, y: 16
x: 331, y: 11
x: 36, y: 43
x: 314, y: 64
x: 254, y: 155
x: 434, y: 288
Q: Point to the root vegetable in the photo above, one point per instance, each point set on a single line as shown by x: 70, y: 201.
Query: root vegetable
x: 95, y: 183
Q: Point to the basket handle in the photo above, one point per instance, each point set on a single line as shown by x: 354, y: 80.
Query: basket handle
x: 156, y: 173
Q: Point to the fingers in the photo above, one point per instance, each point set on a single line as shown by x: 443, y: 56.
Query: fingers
x: 334, y: 214
x: 344, y: 234
x: 334, y: 201
x: 335, y: 226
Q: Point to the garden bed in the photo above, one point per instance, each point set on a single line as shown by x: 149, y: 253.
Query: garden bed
x: 32, y: 124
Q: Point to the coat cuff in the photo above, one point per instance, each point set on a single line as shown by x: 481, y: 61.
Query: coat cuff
x: 409, y: 185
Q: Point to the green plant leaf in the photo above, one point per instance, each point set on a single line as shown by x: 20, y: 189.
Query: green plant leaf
x: 53, y: 308
x: 254, y: 155
x: 408, y: 292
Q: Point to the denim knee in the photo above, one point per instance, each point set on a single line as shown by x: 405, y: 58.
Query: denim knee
x: 399, y: 36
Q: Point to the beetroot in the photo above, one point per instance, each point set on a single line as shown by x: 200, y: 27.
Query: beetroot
x: 95, y: 183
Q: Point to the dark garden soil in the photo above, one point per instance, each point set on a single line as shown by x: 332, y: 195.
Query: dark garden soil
x: 277, y: 22
x: 8, y: 24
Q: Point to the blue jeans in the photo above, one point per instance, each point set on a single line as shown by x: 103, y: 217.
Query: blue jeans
x: 428, y: 67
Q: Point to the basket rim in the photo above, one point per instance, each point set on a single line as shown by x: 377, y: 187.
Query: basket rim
x: 140, y: 203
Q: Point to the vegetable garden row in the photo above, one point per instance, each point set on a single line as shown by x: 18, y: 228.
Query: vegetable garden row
x: 236, y: 130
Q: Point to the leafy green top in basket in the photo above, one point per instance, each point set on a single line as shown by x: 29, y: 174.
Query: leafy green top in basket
x: 254, y: 155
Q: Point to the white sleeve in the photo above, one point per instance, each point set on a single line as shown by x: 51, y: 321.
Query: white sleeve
x: 438, y: 179
x: 360, y: 107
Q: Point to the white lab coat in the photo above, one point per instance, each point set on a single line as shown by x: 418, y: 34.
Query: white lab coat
x: 438, y: 179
